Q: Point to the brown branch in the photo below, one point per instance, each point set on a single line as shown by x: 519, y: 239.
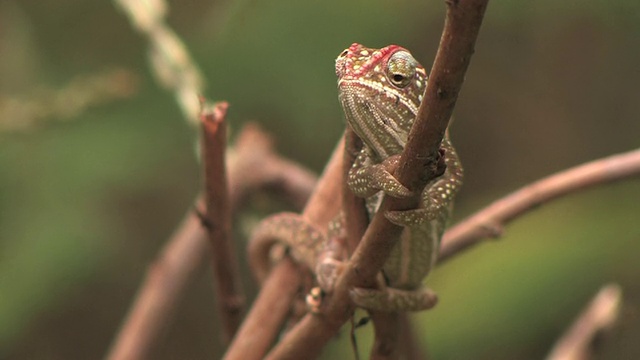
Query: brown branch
x: 489, y: 222
x: 230, y: 300
x: 461, y: 28
x: 600, y: 315
x: 166, y: 280
x: 408, y: 341
x: 386, y: 325
x: 265, y: 318
x: 320, y: 209
x: 168, y: 276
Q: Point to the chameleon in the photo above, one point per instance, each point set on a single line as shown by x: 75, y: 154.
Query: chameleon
x: 380, y: 91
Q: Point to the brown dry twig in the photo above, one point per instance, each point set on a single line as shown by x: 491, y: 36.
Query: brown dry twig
x: 489, y: 222
x: 218, y: 219
x: 170, y: 273
x: 600, y: 315
x: 456, y: 47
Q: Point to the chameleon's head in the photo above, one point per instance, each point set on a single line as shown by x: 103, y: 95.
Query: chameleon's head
x: 380, y: 91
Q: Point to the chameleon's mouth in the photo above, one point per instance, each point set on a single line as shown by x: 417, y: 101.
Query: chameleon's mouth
x: 380, y: 118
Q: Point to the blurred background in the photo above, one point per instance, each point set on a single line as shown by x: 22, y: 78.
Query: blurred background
x: 97, y: 164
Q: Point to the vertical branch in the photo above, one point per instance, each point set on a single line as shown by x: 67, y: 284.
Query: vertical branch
x: 356, y: 218
x: 408, y: 341
x: 218, y: 219
x: 386, y: 327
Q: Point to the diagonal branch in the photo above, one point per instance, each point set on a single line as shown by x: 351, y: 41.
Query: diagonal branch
x: 166, y: 279
x: 462, y: 25
x: 456, y: 47
x: 268, y: 312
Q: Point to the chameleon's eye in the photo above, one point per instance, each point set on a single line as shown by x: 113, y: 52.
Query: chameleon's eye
x: 401, y: 68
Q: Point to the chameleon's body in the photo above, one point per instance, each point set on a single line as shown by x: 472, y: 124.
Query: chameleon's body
x: 380, y: 91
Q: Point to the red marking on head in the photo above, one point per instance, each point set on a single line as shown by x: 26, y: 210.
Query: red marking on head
x: 365, y: 63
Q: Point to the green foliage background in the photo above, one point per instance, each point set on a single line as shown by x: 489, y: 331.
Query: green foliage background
x: 85, y: 205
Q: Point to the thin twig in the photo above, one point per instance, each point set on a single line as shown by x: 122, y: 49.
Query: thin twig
x: 218, y: 219
x: 456, y: 47
x: 168, y: 276
x: 489, y: 222
x: 600, y: 315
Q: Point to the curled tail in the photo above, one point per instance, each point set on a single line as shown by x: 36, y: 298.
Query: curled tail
x: 290, y: 230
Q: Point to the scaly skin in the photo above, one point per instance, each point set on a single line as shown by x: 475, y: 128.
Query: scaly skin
x: 380, y: 91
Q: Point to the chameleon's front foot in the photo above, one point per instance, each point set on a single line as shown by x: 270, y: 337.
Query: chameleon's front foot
x: 394, y: 300
x: 367, y: 180
x: 436, y: 199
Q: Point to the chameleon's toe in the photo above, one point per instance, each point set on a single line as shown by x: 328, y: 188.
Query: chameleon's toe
x: 393, y: 300
x: 413, y: 217
x: 386, y: 182
x: 314, y: 300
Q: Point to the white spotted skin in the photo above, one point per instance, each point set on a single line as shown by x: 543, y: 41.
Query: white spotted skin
x: 380, y: 91
x: 381, y: 112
